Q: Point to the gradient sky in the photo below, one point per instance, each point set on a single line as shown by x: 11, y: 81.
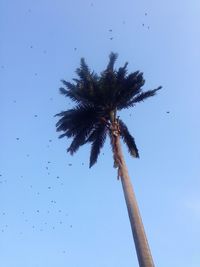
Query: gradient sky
x: 54, y: 210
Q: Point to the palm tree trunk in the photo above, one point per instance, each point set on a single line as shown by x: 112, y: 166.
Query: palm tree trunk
x: 142, y: 248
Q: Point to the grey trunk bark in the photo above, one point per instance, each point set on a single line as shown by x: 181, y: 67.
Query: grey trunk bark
x: 142, y: 248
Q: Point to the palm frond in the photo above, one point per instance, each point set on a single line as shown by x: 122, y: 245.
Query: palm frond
x: 84, y: 71
x: 132, y: 86
x: 142, y: 96
x: 78, y: 141
x: 128, y: 139
x: 121, y: 73
x: 97, y: 138
x: 78, y: 119
x: 69, y: 85
x: 112, y: 60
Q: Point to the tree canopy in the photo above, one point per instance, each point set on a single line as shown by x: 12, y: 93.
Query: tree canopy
x: 97, y: 99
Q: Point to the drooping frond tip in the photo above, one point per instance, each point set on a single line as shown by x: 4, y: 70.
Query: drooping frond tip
x: 128, y: 139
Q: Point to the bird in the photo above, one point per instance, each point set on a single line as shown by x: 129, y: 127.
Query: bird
x: 75, y: 48
x: 143, y: 24
x: 110, y: 30
x: 35, y: 115
x: 17, y: 138
x: 111, y: 38
x: 167, y: 112
x: 145, y: 14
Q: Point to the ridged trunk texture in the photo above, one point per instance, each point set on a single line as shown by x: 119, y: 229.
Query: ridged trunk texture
x: 142, y: 248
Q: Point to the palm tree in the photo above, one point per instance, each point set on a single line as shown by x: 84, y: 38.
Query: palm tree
x: 97, y: 99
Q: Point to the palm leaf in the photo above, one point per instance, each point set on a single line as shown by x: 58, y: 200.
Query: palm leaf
x: 98, y: 138
x: 112, y: 60
x: 144, y: 95
x: 128, y: 139
x: 78, y: 119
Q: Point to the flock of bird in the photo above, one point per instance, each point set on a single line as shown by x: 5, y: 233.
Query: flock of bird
x: 52, y: 202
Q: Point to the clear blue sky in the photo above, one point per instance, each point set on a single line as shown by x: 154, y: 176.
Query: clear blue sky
x: 53, y: 214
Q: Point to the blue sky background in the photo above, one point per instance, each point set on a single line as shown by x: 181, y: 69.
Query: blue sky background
x: 54, y: 210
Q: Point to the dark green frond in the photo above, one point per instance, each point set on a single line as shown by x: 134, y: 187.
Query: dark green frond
x: 112, y: 60
x: 132, y: 85
x: 83, y: 72
x: 97, y: 138
x: 128, y: 139
x: 142, y: 96
x: 78, y: 119
x: 69, y: 85
x: 78, y: 141
x: 121, y: 73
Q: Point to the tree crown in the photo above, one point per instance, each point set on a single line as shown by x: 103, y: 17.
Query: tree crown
x: 97, y: 99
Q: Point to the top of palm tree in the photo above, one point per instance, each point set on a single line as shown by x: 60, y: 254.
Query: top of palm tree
x: 97, y: 99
